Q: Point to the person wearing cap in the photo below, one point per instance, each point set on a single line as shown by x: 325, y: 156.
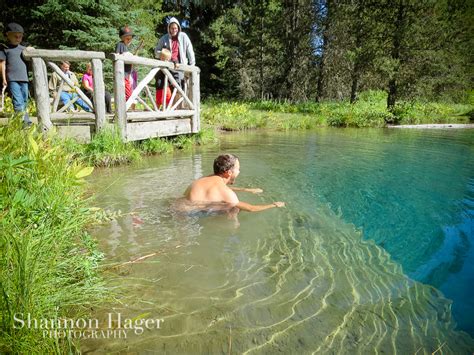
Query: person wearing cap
x: 178, y: 43
x: 14, y: 70
x: 126, y: 35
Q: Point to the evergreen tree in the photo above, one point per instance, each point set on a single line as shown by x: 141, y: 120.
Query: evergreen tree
x: 281, y: 49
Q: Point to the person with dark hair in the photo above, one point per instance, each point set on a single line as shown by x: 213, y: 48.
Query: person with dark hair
x: 126, y: 36
x: 13, y: 69
x: 213, y: 189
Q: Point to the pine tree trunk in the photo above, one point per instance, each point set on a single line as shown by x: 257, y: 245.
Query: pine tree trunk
x: 396, y: 49
x: 261, y: 50
x: 355, y: 84
x: 356, y: 70
x: 320, y: 84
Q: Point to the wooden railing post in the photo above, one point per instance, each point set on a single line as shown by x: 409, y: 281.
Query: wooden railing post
x: 195, y: 125
x: 40, y: 77
x: 119, y: 90
x: 40, y: 80
x: 99, y: 94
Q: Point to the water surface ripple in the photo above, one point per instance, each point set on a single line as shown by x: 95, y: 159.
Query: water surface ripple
x: 352, y: 265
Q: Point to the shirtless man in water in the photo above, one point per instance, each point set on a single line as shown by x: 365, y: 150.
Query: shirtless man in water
x: 213, y: 189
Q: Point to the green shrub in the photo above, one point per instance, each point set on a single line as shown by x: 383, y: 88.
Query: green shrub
x: 156, y: 146
x: 108, y: 149
x: 206, y: 136
x: 48, y: 264
x: 336, y: 119
x: 8, y: 106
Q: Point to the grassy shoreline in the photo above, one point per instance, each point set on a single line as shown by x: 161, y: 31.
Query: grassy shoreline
x: 107, y: 149
x: 369, y: 111
x: 49, y: 263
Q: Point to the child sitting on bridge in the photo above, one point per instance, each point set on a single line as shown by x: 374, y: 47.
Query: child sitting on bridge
x: 88, y: 84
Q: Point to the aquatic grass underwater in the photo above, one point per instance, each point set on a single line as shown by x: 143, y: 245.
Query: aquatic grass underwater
x: 48, y: 263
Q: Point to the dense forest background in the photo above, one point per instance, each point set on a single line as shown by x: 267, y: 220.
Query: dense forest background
x: 294, y: 50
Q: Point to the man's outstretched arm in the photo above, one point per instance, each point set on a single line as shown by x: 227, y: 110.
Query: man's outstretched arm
x: 244, y: 189
x: 257, y: 208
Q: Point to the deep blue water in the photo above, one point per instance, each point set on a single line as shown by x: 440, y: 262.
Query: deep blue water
x: 410, y: 191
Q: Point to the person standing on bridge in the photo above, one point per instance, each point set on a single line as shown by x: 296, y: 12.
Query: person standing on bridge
x: 161, y: 95
x: 180, y: 46
x: 126, y: 36
x: 14, y: 70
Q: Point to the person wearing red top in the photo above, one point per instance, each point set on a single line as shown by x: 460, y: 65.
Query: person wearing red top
x: 160, y: 81
x: 126, y: 36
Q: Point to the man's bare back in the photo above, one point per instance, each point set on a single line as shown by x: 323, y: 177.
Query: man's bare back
x: 211, y: 189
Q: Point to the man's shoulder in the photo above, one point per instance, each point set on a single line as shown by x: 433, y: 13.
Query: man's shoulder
x: 209, y: 183
x: 206, y: 180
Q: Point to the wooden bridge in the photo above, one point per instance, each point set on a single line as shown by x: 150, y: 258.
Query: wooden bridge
x: 180, y: 117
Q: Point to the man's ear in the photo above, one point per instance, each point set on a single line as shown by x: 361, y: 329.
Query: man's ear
x: 227, y: 173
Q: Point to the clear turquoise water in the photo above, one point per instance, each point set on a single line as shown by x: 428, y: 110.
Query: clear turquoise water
x: 372, y: 254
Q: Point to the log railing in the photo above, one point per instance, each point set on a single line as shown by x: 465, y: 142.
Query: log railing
x: 185, y: 101
x: 45, y: 111
x: 180, y: 116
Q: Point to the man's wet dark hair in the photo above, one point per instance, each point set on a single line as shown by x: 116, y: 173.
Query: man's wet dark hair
x: 223, y: 163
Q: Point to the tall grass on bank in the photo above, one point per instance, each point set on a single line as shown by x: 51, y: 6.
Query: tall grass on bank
x: 47, y: 262
x: 369, y: 111
x: 108, y: 149
x: 8, y: 106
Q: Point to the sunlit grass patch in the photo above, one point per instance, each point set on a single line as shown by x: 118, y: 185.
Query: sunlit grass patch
x: 107, y: 149
x: 370, y: 110
x: 48, y: 264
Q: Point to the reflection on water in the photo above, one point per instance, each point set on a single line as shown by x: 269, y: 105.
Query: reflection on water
x: 313, y: 277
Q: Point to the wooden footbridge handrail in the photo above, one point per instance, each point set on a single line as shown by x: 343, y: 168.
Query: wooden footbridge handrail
x: 188, y: 105
x: 40, y: 81
x: 180, y: 116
